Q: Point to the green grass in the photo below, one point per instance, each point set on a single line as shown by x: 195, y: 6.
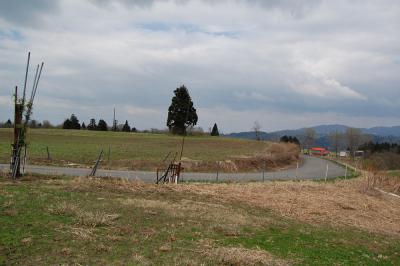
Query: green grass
x: 393, y: 173
x: 35, y: 228
x: 128, y: 150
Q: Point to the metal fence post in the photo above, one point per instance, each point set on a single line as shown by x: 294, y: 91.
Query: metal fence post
x: 263, y: 173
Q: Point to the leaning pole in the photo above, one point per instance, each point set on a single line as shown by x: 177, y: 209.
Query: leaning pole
x: 22, y: 113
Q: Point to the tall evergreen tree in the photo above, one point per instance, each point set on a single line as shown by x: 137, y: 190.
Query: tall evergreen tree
x: 92, y: 124
x: 181, y: 112
x: 102, y: 126
x: 214, y: 131
x: 83, y: 125
x: 67, y: 124
x: 126, y: 127
x: 74, y: 122
x: 8, y: 124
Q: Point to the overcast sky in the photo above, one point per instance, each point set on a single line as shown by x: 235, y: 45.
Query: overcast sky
x: 287, y: 64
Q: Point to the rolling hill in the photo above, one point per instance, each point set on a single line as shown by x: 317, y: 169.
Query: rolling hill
x: 376, y: 134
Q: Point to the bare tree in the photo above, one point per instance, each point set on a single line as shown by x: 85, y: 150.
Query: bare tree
x: 47, y: 124
x: 336, y: 139
x: 354, y: 138
x: 309, y: 137
x: 256, y: 128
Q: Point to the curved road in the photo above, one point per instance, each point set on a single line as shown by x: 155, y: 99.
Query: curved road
x: 312, y: 168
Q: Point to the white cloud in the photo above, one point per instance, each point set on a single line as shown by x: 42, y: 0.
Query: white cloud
x: 323, y: 87
x: 6, y: 100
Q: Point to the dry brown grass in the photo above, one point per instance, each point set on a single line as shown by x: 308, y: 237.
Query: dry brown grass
x: 343, y: 203
x: 381, y: 180
x: 88, y: 184
x: 64, y: 208
x: 83, y: 217
x: 240, y: 256
x: 274, y: 156
x: 195, y: 210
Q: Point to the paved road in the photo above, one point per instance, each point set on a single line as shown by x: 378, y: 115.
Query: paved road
x: 312, y: 168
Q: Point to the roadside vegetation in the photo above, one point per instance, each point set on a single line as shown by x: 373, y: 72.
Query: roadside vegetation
x: 57, y: 220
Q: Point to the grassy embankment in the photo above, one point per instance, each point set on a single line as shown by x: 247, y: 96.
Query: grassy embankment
x: 93, y: 221
x: 137, y: 151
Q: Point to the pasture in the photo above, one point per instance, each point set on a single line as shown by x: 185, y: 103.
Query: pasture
x: 133, y: 151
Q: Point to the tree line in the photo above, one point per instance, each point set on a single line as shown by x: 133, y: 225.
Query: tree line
x: 73, y: 123
x: 374, y: 147
x: 182, y: 116
x: 289, y: 139
x: 32, y: 124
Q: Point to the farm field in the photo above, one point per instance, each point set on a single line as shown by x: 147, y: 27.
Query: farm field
x: 58, y: 220
x: 138, y: 151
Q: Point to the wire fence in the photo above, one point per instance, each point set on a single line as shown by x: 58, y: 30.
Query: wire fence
x: 311, y: 168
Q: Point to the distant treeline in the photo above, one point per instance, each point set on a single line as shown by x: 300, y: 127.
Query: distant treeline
x: 374, y: 147
x: 73, y: 123
x: 32, y: 124
x: 290, y: 139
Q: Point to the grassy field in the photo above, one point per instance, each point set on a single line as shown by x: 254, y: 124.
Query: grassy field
x: 134, y: 151
x: 55, y: 220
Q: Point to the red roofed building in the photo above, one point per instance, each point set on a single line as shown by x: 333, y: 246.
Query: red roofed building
x: 319, y: 151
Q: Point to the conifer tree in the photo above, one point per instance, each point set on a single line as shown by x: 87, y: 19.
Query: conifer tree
x: 181, y: 113
x: 214, y: 131
x: 126, y: 127
x: 74, y: 122
x: 67, y: 124
x: 92, y: 124
x: 102, y: 126
x: 8, y: 124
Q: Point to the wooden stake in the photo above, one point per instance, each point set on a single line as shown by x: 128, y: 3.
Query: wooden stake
x: 48, y: 153
x: 217, y: 169
x: 326, y: 173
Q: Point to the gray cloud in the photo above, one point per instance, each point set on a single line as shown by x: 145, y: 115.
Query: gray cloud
x: 314, y: 60
x: 28, y: 13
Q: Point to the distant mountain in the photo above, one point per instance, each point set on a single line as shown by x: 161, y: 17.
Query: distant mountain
x: 377, y: 134
x: 327, y: 129
x: 383, y: 131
